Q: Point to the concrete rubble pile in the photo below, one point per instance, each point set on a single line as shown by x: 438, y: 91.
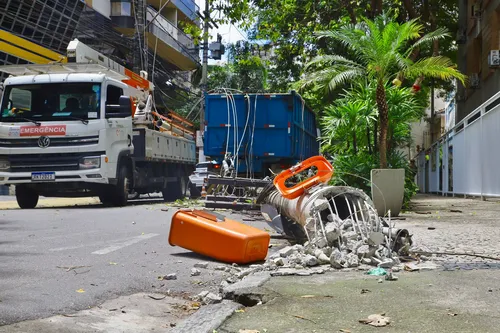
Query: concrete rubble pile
x: 338, y: 227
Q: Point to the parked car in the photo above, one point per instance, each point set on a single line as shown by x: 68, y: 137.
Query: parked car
x: 202, y: 171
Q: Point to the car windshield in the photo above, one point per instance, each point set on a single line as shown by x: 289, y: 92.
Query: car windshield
x: 51, y: 101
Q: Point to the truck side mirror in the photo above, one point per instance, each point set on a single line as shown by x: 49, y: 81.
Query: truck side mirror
x: 123, y: 110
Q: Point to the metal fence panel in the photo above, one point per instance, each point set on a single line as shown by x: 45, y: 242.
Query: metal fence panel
x: 490, y: 156
x: 459, y: 167
x: 473, y: 158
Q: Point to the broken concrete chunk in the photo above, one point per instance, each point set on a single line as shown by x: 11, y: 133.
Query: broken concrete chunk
x: 278, y: 262
x: 298, y: 248
x: 387, y: 263
x: 220, y: 268
x: 201, y: 265
x: 349, y: 235
x: 298, y: 266
x: 327, y: 251
x: 303, y: 273
x: 332, y: 233
x: 352, y: 260
x: 310, y: 261
x: 223, y: 285
x: 323, y: 259
x: 286, y: 251
x: 284, y: 272
x: 274, y: 255
x: 337, y: 259
x: 195, y: 272
x: 348, y: 223
x: 248, y: 271
x: 295, y: 259
x: 171, y: 276
x: 212, y: 298
x: 202, y: 295
x: 232, y: 279
x: 423, y: 266
x: 366, y: 261
x: 376, y: 238
x: 363, y: 251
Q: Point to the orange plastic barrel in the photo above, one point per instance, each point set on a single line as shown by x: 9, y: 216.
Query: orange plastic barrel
x: 218, y: 237
x: 323, y: 175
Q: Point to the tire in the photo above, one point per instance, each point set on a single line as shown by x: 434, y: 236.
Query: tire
x: 27, y: 198
x: 106, y: 199
x: 120, y: 197
x: 176, y: 190
x: 194, y: 192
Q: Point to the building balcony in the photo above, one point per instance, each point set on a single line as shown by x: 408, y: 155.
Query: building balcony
x: 187, y: 55
x: 187, y: 8
x: 170, y: 42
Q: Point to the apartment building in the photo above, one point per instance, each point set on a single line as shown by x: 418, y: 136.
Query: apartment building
x: 144, y: 34
x: 478, y: 42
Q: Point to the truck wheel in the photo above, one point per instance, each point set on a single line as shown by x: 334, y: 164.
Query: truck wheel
x: 176, y: 190
x: 194, y: 192
x: 106, y: 199
x: 122, y: 187
x: 27, y: 198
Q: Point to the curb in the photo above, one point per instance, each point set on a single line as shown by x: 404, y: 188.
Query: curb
x: 208, y: 318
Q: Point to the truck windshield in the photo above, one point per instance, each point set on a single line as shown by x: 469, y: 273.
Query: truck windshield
x: 51, y: 101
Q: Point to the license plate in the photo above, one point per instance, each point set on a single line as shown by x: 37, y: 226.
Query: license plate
x: 43, y: 176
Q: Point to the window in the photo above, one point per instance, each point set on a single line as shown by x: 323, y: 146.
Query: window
x: 121, y: 8
x: 22, y: 99
x: 52, y: 101
x: 113, y: 95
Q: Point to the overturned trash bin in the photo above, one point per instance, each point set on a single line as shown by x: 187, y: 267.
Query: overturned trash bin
x: 213, y: 235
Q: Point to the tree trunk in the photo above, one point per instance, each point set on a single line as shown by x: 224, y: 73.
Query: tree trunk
x: 412, y: 13
x: 354, y: 142
x: 368, y: 138
x: 350, y: 11
x: 384, y: 123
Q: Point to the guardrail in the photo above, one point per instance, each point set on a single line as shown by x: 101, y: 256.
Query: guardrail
x: 465, y: 160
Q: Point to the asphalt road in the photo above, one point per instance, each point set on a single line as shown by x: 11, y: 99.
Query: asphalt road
x: 48, y: 256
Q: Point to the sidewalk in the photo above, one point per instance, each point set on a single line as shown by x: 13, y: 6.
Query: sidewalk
x: 418, y: 302
x: 461, y: 296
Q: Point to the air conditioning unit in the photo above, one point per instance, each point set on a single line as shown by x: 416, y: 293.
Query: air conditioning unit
x: 494, y: 58
x: 474, y: 80
x: 461, y: 36
x: 476, y: 11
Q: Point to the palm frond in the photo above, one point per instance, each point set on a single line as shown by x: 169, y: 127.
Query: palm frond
x: 436, y: 67
x: 439, y: 33
x: 343, y: 77
x: 330, y: 59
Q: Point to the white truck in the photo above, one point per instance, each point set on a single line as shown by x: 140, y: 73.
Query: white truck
x: 89, y: 127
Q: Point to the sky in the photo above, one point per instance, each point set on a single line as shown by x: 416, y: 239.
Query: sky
x: 229, y: 33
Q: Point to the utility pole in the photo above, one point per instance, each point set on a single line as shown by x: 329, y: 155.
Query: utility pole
x: 138, y: 45
x: 204, y: 73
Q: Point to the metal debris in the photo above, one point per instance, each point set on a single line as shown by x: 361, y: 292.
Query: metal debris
x: 337, y: 225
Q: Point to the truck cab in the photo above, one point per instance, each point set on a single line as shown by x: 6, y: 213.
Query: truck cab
x: 68, y: 130
x: 57, y: 130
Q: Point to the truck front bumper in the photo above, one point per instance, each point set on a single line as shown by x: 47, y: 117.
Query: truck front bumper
x: 97, y: 175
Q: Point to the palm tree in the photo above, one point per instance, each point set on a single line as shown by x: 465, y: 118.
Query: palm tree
x: 379, y: 50
x: 346, y: 118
